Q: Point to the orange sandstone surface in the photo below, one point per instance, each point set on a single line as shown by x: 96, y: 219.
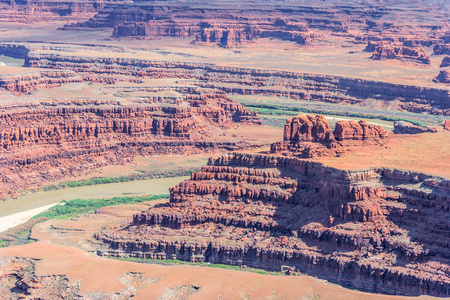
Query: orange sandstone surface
x: 98, y: 276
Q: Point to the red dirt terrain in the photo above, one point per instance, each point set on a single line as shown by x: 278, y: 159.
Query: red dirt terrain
x: 99, y: 66
x: 381, y: 230
x: 55, y: 254
x: 126, y: 88
x: 48, y: 141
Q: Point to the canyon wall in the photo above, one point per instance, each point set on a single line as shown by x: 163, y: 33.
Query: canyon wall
x: 379, y: 230
x: 310, y: 136
x: 302, y: 86
x: 56, y: 139
x: 302, y: 23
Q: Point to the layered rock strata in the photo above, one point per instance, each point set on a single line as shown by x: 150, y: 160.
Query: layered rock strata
x: 443, y: 77
x: 402, y: 127
x: 379, y: 230
x: 305, y: 24
x: 29, y: 11
x: 295, y: 85
x: 30, y: 81
x: 417, y: 55
x: 56, y: 139
x: 311, y: 136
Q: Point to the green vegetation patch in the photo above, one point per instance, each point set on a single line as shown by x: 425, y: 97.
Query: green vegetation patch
x: 272, y: 109
x: 94, y: 181
x: 83, y: 206
x: 20, y: 234
x: 171, y: 262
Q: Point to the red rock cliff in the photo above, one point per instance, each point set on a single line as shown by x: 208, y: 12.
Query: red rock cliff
x: 67, y: 138
x: 374, y: 229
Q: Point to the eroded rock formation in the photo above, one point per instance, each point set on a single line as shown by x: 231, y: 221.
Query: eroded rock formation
x: 227, y: 27
x: 30, y: 81
x: 32, y: 11
x: 303, y: 23
x: 400, y: 53
x: 441, y: 49
x: 402, y: 127
x: 20, y: 280
x: 64, y: 138
x: 379, y: 230
x: 447, y: 124
x: 445, y: 62
x: 311, y: 136
x: 295, y: 85
x: 444, y: 76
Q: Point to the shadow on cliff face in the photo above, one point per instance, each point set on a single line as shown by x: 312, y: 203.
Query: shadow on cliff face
x: 357, y: 228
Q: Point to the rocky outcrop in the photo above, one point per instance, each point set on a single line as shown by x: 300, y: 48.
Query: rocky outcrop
x: 30, y: 81
x: 20, y: 279
x: 13, y: 50
x: 295, y: 85
x: 311, y: 136
x: 400, y: 53
x: 379, y: 230
x: 447, y: 124
x: 445, y: 62
x: 308, y: 128
x: 442, y: 49
x: 443, y: 77
x: 359, y: 131
x: 402, y: 127
x: 41, y: 142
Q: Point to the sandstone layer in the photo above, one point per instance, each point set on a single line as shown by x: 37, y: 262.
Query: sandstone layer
x: 244, y: 81
x: 305, y: 23
x: 311, y: 136
x: 56, y: 139
x: 381, y: 230
x: 375, y: 230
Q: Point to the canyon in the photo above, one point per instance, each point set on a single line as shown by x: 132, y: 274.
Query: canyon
x: 380, y: 230
x: 242, y: 81
x: 315, y: 134
x: 303, y: 23
x: 46, y: 141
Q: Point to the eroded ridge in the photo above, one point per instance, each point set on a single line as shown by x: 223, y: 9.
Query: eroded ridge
x: 243, y: 81
x: 303, y: 22
x: 59, y: 138
x: 380, y: 230
x: 19, y: 279
x: 311, y: 136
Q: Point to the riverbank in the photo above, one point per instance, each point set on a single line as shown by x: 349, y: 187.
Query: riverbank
x: 16, y: 219
x: 17, y: 211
